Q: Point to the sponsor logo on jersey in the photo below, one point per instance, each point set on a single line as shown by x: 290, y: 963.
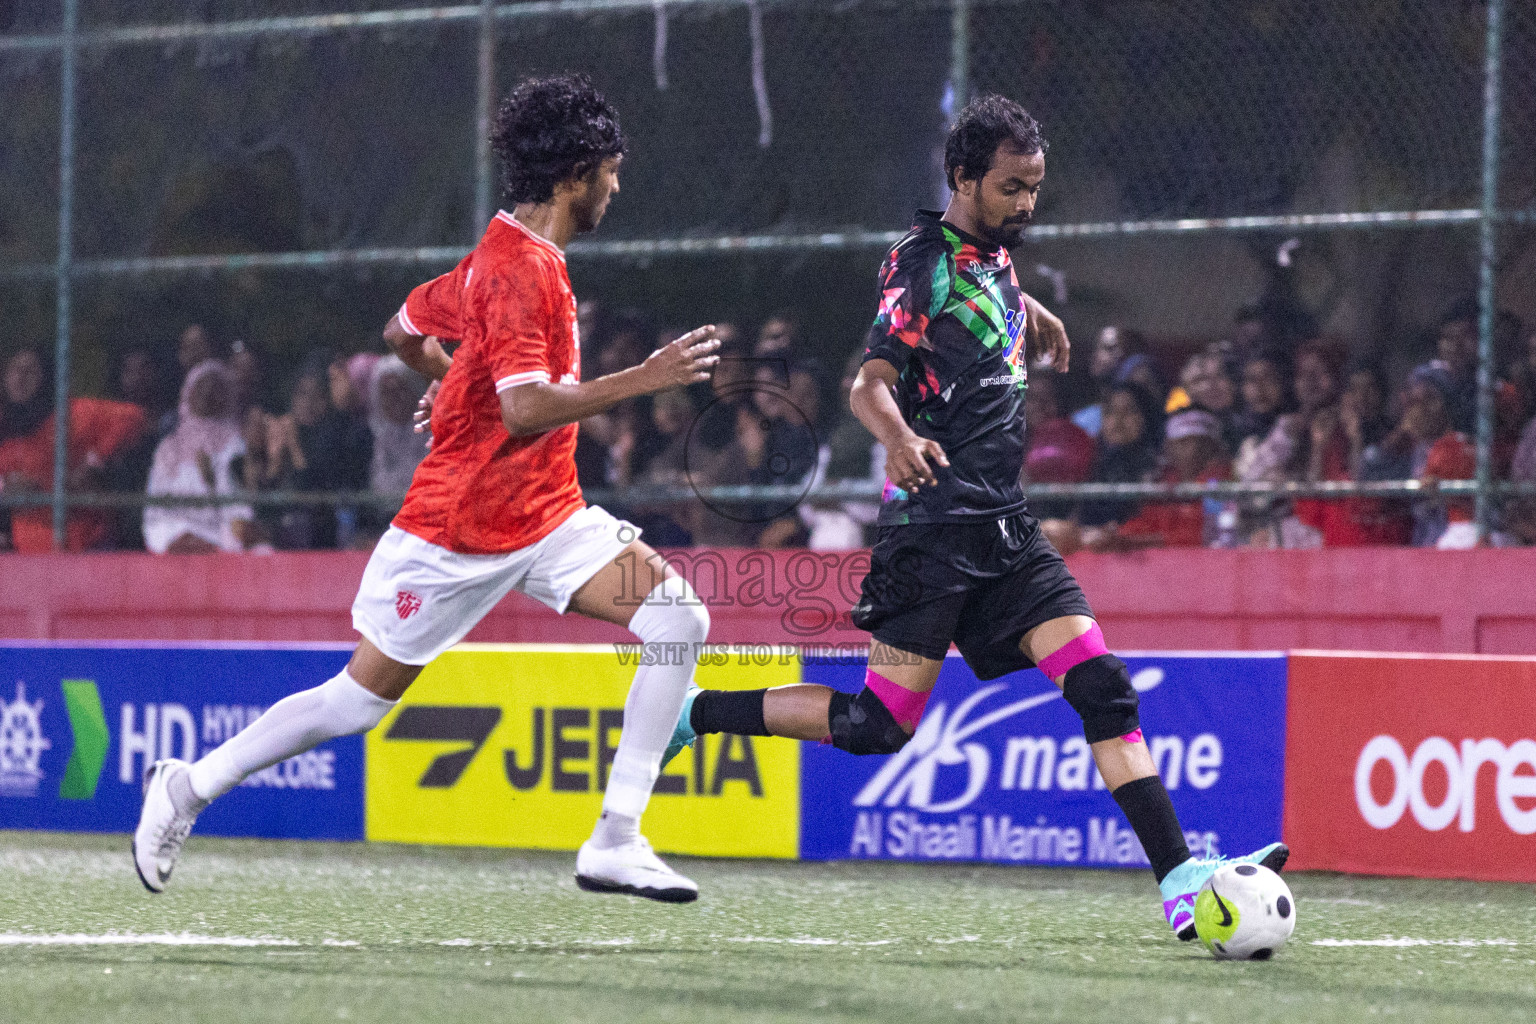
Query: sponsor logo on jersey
x: 1016, y: 319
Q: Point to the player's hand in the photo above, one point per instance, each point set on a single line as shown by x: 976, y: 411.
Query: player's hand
x: 421, y: 419
x: 1045, y: 337
x: 688, y: 360
x: 906, y: 462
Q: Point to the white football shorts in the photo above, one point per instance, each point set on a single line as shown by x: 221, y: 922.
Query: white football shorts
x: 417, y: 599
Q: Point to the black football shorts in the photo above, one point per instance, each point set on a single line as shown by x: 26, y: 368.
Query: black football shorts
x: 981, y: 585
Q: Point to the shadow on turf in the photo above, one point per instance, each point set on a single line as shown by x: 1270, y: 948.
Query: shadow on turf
x: 819, y: 1000
x: 822, y: 1000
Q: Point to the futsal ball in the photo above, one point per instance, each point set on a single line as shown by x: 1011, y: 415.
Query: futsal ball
x: 1244, y: 912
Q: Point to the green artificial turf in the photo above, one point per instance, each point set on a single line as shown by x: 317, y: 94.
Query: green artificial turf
x: 372, y: 932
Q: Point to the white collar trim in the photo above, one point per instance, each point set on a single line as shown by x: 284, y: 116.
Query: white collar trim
x: 503, y: 215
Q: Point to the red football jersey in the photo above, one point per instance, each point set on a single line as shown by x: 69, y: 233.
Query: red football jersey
x: 509, y: 303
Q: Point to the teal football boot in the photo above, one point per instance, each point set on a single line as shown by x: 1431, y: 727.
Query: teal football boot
x: 1183, y: 883
x: 683, y: 734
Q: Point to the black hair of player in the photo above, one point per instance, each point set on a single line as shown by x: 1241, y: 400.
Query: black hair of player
x: 986, y: 123
x: 550, y: 130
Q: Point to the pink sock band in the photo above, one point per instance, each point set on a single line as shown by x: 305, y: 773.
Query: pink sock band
x: 904, y: 705
x: 1134, y: 736
x: 1074, y: 653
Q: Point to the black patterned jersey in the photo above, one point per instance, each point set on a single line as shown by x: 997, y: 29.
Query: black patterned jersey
x: 951, y: 320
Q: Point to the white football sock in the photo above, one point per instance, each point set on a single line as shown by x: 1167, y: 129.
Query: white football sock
x: 338, y: 707
x: 615, y: 830
x: 671, y: 615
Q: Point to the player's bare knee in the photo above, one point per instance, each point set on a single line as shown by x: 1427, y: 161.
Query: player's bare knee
x: 861, y: 724
x: 1100, y: 691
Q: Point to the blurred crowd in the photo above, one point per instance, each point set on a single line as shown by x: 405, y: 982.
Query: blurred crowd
x: 1279, y: 403
x: 210, y: 423
x: 1275, y: 402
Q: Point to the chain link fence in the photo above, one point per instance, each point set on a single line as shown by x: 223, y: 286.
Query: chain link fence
x: 285, y: 171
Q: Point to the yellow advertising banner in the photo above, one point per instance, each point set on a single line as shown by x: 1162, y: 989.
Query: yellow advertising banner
x: 510, y: 745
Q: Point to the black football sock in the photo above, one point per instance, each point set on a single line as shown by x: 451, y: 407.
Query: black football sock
x: 739, y: 712
x: 1150, y: 812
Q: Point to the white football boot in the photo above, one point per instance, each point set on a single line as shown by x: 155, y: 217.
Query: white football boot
x: 162, y: 831
x: 632, y: 869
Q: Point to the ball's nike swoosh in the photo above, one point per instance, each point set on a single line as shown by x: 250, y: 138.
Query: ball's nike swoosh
x: 1226, y: 915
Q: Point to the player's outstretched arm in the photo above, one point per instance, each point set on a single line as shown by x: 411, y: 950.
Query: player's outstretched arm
x: 535, y: 408
x: 906, y: 454
x: 425, y: 355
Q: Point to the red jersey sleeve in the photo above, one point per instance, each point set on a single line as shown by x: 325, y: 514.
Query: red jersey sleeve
x: 435, y: 308
x: 520, y: 324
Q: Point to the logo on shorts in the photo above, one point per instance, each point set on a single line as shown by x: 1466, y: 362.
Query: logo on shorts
x: 406, y: 604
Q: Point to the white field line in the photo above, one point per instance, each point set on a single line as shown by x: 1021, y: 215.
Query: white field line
x: 807, y: 941
x: 131, y: 939
x: 1399, y: 943
x: 190, y: 939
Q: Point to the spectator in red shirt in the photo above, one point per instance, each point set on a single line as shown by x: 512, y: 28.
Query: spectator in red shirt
x: 1425, y: 445
x: 1193, y: 452
x: 98, y: 431
x: 1339, y: 435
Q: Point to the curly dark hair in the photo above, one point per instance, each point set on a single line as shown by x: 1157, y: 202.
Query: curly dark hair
x: 550, y: 130
x: 986, y: 123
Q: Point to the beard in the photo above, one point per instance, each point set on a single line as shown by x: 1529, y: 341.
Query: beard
x: 588, y: 215
x: 1009, y: 233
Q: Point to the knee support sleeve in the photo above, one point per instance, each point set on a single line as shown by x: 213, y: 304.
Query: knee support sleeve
x: 1100, y: 691
x: 860, y: 723
x: 1074, y: 653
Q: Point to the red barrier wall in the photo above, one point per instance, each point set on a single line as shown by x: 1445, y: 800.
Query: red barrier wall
x: 1347, y: 599
x: 1422, y: 766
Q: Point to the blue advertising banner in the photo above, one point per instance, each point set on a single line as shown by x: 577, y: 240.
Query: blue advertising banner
x: 78, y: 725
x: 1000, y: 771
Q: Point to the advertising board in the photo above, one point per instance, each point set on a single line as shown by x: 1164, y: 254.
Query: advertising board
x: 79, y: 724
x: 999, y: 771
x: 1413, y: 765
x: 511, y: 746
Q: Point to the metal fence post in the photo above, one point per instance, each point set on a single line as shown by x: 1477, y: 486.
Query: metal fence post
x: 1487, y: 236
x: 960, y: 53
x: 62, y: 294
x: 485, y: 99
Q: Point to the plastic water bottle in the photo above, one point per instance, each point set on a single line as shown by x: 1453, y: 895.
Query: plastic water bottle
x: 1221, y: 518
